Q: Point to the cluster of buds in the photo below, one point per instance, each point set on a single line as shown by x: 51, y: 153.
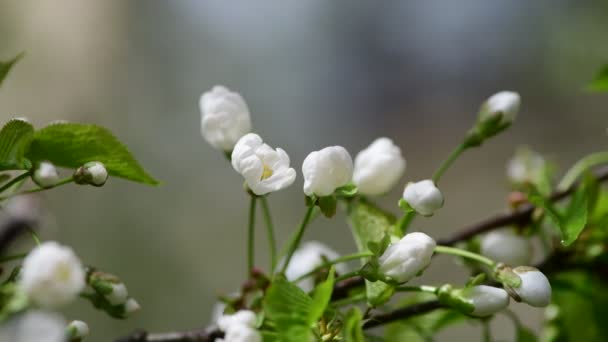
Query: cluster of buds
x: 110, y: 294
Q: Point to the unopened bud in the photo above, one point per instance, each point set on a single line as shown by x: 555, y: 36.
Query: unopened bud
x: 45, y: 175
x: 93, y: 173
x: 119, y: 294
x: 77, y: 330
x: 130, y: 307
x: 535, y: 289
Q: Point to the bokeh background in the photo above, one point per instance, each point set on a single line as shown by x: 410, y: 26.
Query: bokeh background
x: 314, y: 73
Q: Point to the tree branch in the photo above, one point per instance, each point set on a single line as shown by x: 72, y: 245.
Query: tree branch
x: 341, y: 290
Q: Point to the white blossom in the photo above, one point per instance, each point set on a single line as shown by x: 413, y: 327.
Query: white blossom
x: 526, y: 166
x: 307, y: 257
x: 404, y: 259
x: 119, y: 294
x: 46, y: 175
x: 239, y: 327
x: 94, y: 173
x: 535, y: 288
x: 505, y: 103
x: 504, y: 245
x: 378, y: 167
x: 78, y: 329
x: 131, y: 306
x: 326, y: 170
x: 264, y: 169
x: 34, y: 326
x: 486, y: 300
x: 225, y: 117
x: 52, y: 275
x: 423, y: 196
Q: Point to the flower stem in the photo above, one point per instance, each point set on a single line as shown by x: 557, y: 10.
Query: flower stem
x: 487, y: 333
x: 251, y: 235
x: 448, y: 162
x: 347, y: 275
x: 272, y: 243
x: 13, y: 257
x: 405, y: 221
x: 30, y: 191
x: 421, y: 288
x: 335, y: 261
x: 465, y: 254
x: 295, y: 242
x: 14, y: 181
x: 35, y: 236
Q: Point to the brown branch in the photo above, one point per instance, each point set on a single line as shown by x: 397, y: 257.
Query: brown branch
x: 342, y: 289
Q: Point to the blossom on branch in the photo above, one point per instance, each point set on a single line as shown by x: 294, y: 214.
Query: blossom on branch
x: 378, y: 167
x: 326, y: 170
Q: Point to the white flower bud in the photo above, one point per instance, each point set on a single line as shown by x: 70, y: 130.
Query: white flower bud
x: 309, y: 256
x: 78, y: 329
x: 326, y: 170
x: 486, y: 300
x: 264, y: 169
x: 505, y: 246
x: 46, y: 175
x: 505, y: 103
x: 224, y: 117
x: 404, y: 259
x: 93, y: 173
x: 34, y: 326
x: 131, y: 306
x: 535, y: 288
x: 52, y: 275
x: 378, y: 167
x: 424, y: 197
x: 526, y: 166
x: 119, y: 294
x: 239, y: 327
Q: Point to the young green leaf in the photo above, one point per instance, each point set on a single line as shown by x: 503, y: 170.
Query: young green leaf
x: 290, y: 309
x: 5, y: 67
x: 72, y: 145
x: 600, y: 82
x: 15, y: 139
x: 352, y: 330
x: 328, y: 204
x: 321, y: 298
x: 370, y: 225
x: 525, y: 335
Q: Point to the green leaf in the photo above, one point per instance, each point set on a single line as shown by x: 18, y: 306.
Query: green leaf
x: 15, y: 138
x: 371, y: 224
x: 572, y: 222
x: 72, y: 145
x: 404, y: 206
x: 290, y: 309
x: 349, y: 190
x: 5, y: 67
x: 580, y: 307
x: 328, y: 204
x: 353, y: 329
x: 321, y: 298
x: 600, y: 82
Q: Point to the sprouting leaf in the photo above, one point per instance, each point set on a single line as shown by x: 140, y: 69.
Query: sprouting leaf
x: 370, y: 225
x: 580, y: 167
x: 328, y: 204
x: 573, y: 220
x: 321, y: 298
x: 72, y: 145
x: 290, y: 309
x: 5, y: 67
x: 353, y: 330
x: 15, y: 139
x: 600, y: 82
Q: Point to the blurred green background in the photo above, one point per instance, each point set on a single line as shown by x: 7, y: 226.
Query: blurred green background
x: 314, y: 73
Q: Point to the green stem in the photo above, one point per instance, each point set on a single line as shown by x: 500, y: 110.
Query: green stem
x: 295, y: 242
x: 272, y: 243
x: 347, y: 275
x: 14, y: 181
x: 405, y: 221
x: 13, y: 257
x: 448, y: 162
x: 465, y: 254
x: 35, y: 236
x: 251, y: 236
x: 487, y: 333
x: 421, y: 288
x: 580, y: 167
x: 333, y: 262
x: 30, y: 191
